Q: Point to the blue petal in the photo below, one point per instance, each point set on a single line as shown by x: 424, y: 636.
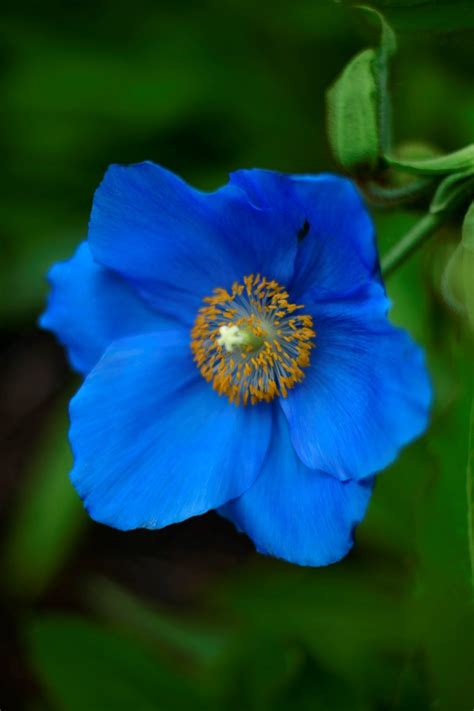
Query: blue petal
x: 176, y: 244
x: 337, y: 248
x: 153, y: 444
x: 366, y: 393
x: 89, y: 307
x: 296, y: 513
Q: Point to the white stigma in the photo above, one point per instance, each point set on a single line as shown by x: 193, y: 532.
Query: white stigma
x: 230, y: 336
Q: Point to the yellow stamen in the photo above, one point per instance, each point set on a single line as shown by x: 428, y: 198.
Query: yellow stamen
x: 251, y: 343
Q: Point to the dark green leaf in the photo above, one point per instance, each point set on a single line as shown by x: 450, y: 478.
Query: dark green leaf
x: 188, y: 638
x: 84, y: 666
x: 49, y: 517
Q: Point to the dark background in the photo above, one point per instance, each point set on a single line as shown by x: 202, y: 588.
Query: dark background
x: 191, y: 616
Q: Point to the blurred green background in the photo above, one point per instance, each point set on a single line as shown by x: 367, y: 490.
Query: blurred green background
x: 191, y: 616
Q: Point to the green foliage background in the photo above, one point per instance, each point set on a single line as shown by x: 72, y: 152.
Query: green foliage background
x: 191, y: 617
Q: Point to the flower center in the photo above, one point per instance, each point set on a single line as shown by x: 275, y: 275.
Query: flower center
x: 251, y: 342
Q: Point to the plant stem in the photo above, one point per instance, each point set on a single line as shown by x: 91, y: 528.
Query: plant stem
x: 383, y: 196
x: 441, y: 210
x: 410, y: 242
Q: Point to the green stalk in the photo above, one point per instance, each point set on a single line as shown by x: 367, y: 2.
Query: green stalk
x: 450, y: 195
x: 383, y: 196
x: 410, y: 242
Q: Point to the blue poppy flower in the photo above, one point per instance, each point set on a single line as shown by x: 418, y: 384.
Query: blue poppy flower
x: 237, y: 356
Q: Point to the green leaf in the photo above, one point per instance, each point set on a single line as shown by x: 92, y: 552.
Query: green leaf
x: 49, y: 518
x: 311, y: 608
x: 352, y: 114
x: 190, y: 639
x: 452, y: 190
x: 264, y: 672
x: 461, y: 160
x: 85, y: 666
